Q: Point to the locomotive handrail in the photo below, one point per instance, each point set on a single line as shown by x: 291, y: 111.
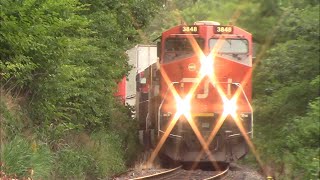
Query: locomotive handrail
x: 251, y: 109
x: 159, y: 124
x: 233, y: 135
x: 171, y: 134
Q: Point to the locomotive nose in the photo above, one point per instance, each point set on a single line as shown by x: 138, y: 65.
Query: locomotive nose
x: 207, y: 63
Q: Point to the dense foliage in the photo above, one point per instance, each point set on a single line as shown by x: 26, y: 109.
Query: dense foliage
x: 67, y: 56
x: 286, y: 75
x: 60, y: 62
x: 287, y: 94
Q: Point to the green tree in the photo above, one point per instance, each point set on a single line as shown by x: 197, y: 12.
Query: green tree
x: 286, y: 81
x: 65, y: 57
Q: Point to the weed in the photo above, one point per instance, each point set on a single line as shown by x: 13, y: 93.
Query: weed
x: 108, y: 153
x: 20, y: 159
x: 72, y: 163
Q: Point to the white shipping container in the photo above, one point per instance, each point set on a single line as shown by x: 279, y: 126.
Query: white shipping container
x: 140, y: 57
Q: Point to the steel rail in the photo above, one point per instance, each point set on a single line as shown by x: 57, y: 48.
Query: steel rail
x: 157, y: 175
x: 169, y: 174
x: 218, y: 175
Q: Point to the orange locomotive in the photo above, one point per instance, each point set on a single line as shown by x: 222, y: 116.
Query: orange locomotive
x: 194, y: 103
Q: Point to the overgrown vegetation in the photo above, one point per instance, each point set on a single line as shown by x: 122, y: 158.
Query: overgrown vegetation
x: 60, y: 63
x: 20, y: 157
x: 287, y: 94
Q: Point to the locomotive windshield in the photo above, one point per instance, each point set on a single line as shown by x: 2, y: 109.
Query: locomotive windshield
x: 177, y: 48
x: 229, y: 45
x: 233, y: 49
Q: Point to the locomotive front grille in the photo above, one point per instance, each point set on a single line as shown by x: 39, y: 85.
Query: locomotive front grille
x: 205, y: 125
x: 193, y: 144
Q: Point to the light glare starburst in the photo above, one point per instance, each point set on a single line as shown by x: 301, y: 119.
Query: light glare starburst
x: 230, y: 106
x: 183, y: 105
x: 207, y: 63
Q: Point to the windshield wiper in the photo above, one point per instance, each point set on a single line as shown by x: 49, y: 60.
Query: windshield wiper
x: 234, y: 55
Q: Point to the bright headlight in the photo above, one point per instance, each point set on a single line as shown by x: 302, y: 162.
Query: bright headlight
x: 230, y: 107
x: 183, y: 106
x: 206, y: 66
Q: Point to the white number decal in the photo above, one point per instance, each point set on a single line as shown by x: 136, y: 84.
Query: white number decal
x: 224, y: 29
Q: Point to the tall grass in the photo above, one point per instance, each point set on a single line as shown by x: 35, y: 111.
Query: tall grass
x: 108, y: 153
x: 11, y: 121
x: 24, y: 159
x: 72, y: 163
x: 28, y: 150
x: 99, y: 155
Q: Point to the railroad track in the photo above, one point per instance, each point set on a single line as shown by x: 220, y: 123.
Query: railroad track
x: 238, y: 172
x: 180, y: 174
